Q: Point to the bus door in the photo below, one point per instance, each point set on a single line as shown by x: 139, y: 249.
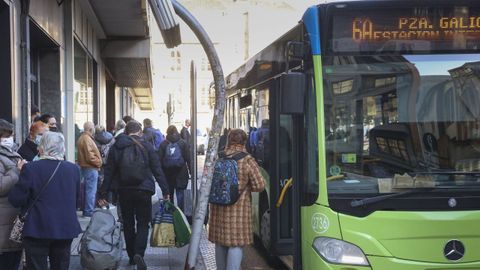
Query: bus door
x: 287, y: 126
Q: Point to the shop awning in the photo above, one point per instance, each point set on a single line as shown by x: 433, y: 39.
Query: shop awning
x: 126, y: 49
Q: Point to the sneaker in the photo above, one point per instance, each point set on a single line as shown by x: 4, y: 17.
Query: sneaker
x: 141, y: 265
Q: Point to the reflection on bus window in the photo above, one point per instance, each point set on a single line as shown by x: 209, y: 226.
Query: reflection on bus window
x: 413, y: 114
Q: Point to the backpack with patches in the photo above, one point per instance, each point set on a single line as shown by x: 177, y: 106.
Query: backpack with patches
x: 225, y: 190
x: 173, y: 156
x: 134, y: 165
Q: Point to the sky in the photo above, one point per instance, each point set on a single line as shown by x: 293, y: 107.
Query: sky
x: 226, y: 22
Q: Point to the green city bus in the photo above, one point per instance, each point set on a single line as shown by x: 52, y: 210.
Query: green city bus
x: 365, y: 118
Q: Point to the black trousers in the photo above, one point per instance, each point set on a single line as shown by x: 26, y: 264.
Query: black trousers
x: 10, y: 260
x: 135, y: 205
x: 38, y: 250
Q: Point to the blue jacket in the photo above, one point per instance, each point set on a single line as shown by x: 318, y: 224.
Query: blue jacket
x: 153, y: 136
x: 112, y: 170
x: 54, y: 215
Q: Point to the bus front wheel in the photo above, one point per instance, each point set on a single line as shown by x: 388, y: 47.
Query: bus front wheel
x: 265, y: 233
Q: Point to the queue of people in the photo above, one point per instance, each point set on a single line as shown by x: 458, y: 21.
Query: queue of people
x: 119, y: 167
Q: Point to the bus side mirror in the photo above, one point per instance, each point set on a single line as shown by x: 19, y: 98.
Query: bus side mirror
x: 292, y: 93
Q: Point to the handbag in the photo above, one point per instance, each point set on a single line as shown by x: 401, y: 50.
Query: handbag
x: 16, y: 235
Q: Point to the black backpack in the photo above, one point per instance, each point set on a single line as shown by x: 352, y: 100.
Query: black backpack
x: 173, y: 156
x: 133, y: 165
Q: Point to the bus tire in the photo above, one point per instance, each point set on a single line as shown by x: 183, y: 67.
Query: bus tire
x: 265, y: 233
x: 264, y: 221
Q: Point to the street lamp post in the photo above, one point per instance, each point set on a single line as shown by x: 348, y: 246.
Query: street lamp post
x: 215, y: 131
x: 163, y: 15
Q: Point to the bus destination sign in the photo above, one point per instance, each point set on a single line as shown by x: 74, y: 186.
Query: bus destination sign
x: 415, y: 28
x: 406, y: 29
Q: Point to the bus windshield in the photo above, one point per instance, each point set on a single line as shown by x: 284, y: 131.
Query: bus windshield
x: 400, y: 122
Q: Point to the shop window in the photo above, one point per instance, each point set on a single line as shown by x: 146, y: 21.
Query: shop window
x: 84, y: 86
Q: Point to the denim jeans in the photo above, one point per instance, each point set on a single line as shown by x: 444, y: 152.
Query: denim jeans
x: 90, y: 176
x: 228, y: 258
x: 10, y: 260
x: 180, y: 193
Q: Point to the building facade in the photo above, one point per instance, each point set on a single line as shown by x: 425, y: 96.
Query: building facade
x: 239, y: 29
x: 79, y: 60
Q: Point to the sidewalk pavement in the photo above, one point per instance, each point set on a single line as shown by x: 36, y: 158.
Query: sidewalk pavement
x: 161, y: 258
x: 156, y: 258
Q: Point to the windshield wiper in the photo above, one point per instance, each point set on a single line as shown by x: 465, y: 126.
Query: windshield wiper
x: 371, y: 200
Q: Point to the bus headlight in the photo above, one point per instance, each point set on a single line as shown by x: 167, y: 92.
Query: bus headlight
x: 338, y: 251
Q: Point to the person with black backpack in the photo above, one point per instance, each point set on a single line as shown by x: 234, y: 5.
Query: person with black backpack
x: 175, y: 159
x: 132, y: 166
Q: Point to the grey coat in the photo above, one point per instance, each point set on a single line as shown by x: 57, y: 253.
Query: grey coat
x: 8, y: 178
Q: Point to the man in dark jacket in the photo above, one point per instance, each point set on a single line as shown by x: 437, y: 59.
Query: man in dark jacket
x: 222, y: 144
x: 185, y: 132
x: 177, y: 174
x: 135, y: 200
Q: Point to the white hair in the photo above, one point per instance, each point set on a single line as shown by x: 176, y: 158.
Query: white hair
x: 120, y: 125
x: 52, y: 146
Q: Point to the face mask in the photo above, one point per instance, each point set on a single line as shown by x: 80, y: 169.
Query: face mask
x: 53, y: 129
x: 7, y: 142
x: 37, y: 140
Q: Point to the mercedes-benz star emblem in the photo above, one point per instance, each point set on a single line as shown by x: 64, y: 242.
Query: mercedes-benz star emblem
x: 454, y: 250
x: 452, y: 202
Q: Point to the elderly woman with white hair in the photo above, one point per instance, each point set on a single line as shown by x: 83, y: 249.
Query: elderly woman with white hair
x: 47, y: 191
x: 119, y: 128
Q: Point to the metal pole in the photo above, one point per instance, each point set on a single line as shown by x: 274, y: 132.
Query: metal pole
x: 69, y: 113
x: 193, y: 121
x: 25, y: 66
x: 217, y: 124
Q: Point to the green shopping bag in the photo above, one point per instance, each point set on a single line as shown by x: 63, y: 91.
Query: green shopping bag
x: 182, y: 228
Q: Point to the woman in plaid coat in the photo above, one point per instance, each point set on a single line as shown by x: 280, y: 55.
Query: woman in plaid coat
x: 230, y: 226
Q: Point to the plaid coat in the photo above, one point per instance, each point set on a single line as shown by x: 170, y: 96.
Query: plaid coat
x: 231, y: 225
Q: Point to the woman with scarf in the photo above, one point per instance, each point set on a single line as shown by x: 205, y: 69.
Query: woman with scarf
x: 10, y: 165
x: 51, y: 223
